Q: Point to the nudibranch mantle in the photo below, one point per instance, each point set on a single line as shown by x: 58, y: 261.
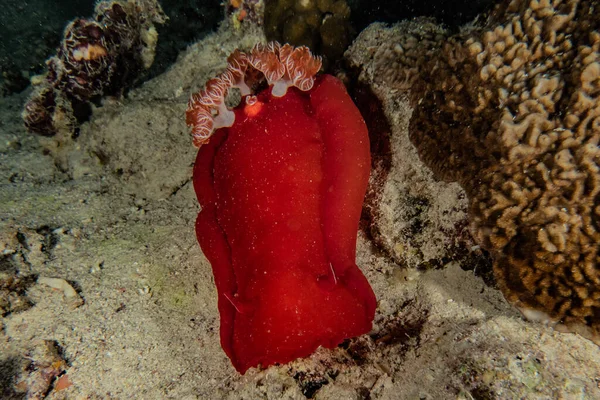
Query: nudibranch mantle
x: 281, y: 179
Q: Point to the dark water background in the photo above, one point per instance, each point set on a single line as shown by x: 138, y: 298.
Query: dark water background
x: 31, y: 30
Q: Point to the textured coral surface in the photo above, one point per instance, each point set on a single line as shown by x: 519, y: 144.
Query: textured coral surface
x: 511, y: 111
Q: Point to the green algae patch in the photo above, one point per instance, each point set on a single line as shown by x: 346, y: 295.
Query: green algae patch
x: 169, y: 289
x: 168, y: 273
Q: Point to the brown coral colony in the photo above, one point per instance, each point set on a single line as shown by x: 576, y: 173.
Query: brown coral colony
x: 512, y: 112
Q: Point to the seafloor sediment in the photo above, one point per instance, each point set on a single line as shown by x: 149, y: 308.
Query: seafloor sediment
x: 112, y: 212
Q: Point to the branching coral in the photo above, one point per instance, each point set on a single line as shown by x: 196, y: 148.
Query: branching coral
x: 511, y: 111
x: 97, y: 56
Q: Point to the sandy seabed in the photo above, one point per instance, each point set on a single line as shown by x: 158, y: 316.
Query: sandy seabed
x: 112, y: 213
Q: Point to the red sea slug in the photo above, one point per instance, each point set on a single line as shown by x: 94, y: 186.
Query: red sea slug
x: 281, y: 185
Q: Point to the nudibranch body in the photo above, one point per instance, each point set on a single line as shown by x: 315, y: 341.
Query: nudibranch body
x: 281, y: 180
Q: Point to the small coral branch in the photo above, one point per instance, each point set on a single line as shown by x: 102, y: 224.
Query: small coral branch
x: 98, y: 56
x: 281, y: 66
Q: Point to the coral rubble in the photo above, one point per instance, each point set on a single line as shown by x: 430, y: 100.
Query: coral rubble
x: 511, y: 111
x: 245, y: 11
x: 98, y: 56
